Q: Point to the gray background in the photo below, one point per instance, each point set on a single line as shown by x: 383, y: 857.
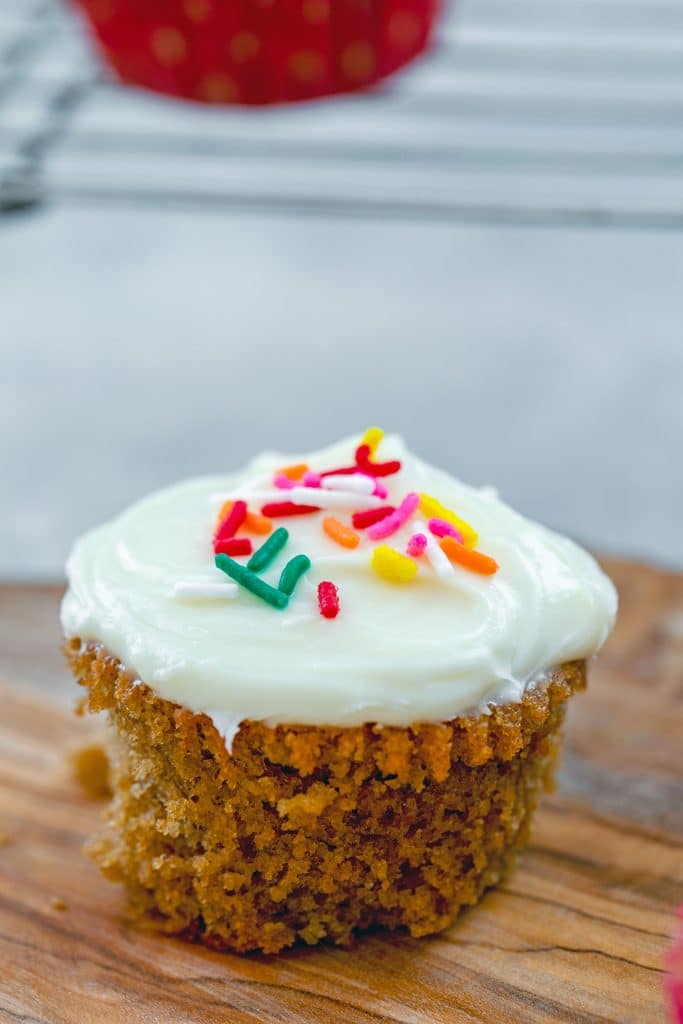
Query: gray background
x: 518, y: 320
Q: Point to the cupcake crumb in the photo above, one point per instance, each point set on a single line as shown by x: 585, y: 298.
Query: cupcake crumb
x: 58, y: 904
x: 90, y: 767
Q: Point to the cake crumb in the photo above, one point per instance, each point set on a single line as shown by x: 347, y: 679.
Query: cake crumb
x: 58, y: 904
x: 90, y: 766
x: 4, y: 839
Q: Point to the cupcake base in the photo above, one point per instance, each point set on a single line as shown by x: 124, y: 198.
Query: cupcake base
x: 307, y: 833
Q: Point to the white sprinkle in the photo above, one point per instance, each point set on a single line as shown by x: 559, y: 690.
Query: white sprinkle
x: 332, y: 499
x: 187, y: 591
x: 358, y: 483
x: 305, y: 496
x: 433, y: 553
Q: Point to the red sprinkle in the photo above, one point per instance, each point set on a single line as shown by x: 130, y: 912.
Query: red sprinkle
x: 274, y: 509
x: 233, y: 546
x: 231, y: 523
x: 374, y: 468
x: 328, y: 600
x: 370, y: 516
x: 340, y: 471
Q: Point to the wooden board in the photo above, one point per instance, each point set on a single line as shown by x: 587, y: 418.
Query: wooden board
x: 576, y: 934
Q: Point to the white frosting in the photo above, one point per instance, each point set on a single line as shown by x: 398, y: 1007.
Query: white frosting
x: 396, y: 654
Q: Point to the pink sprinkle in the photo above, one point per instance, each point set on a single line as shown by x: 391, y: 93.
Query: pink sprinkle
x: 391, y: 523
x: 440, y: 528
x: 311, y: 479
x: 283, y: 482
x: 417, y: 545
x: 380, y: 490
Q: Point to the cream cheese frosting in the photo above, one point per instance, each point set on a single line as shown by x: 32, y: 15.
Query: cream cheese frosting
x: 440, y: 646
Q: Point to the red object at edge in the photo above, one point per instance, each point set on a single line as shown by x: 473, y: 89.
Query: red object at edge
x: 225, y: 52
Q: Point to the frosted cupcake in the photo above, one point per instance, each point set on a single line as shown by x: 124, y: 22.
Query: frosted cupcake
x: 336, y: 684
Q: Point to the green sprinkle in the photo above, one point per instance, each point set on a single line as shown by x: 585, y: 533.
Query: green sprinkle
x: 264, y: 555
x: 251, y: 582
x: 292, y: 573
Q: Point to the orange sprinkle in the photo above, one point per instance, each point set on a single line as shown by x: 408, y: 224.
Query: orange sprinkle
x: 294, y: 472
x: 254, y: 522
x: 340, y: 533
x: 225, y: 510
x: 470, y: 559
x: 257, y: 523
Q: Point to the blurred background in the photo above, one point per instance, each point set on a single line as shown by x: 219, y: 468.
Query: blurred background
x: 484, y: 253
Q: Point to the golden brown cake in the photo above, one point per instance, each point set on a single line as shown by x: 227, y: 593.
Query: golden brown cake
x: 245, y: 827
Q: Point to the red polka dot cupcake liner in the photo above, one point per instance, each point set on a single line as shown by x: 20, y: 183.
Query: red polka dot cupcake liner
x: 258, y: 51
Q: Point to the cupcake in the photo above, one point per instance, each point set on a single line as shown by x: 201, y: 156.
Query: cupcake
x: 258, y: 51
x: 336, y: 684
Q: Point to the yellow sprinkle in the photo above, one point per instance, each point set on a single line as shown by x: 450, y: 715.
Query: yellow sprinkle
x: 432, y: 508
x: 392, y: 565
x: 372, y: 438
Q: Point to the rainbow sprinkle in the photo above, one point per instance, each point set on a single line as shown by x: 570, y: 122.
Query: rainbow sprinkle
x: 372, y: 438
x: 393, y: 522
x: 232, y: 522
x: 278, y: 509
x: 233, y: 546
x: 257, y: 523
x: 391, y: 565
x: 292, y: 573
x: 340, y: 533
x: 328, y: 599
x: 361, y: 520
x: 441, y: 528
x: 253, y: 521
x: 264, y: 555
x: 375, y: 468
x: 251, y: 582
x: 283, y: 483
x: 476, y: 561
x: 294, y: 472
x: 416, y: 545
x: 432, y: 508
x: 354, y: 483
x: 434, y: 555
x: 443, y: 545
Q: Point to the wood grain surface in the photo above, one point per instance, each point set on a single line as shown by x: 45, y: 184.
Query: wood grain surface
x: 576, y: 933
